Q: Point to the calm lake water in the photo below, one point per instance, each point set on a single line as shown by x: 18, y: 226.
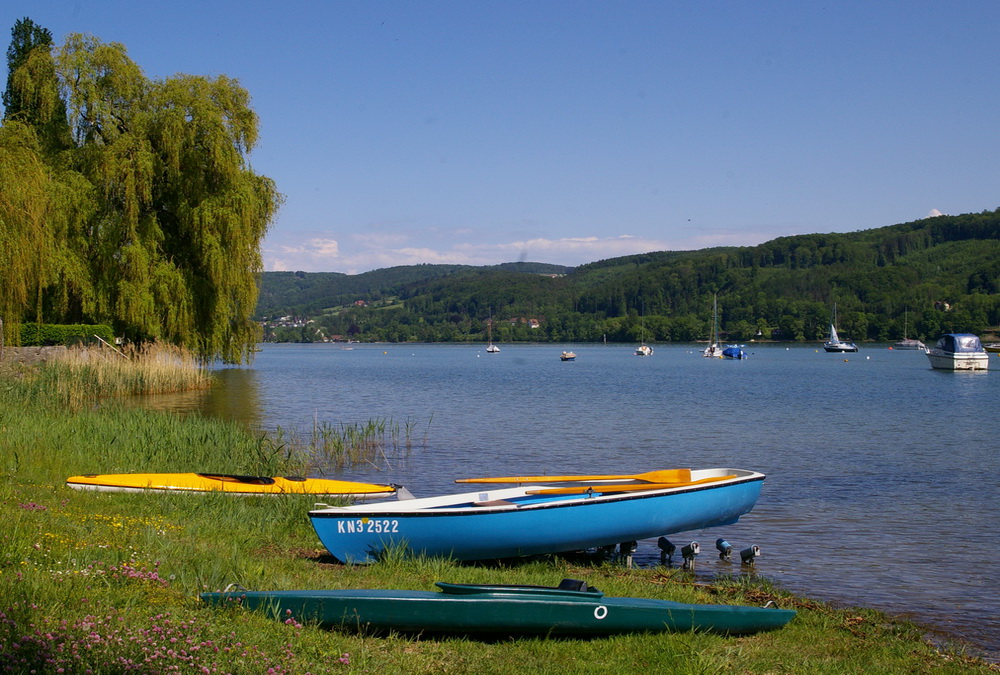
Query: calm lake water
x: 883, y: 478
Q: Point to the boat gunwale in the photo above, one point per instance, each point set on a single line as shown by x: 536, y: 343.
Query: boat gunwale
x: 363, y: 510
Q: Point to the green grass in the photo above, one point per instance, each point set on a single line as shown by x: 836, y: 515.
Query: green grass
x: 108, y: 583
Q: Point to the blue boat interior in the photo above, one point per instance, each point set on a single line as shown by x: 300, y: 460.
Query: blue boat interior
x: 524, y: 500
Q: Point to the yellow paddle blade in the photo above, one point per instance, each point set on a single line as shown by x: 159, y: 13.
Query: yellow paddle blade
x: 635, y: 487
x: 661, y: 476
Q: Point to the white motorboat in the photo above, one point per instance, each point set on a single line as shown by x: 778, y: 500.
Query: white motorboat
x: 958, y: 351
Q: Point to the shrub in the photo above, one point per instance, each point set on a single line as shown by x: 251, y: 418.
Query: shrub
x: 45, y: 334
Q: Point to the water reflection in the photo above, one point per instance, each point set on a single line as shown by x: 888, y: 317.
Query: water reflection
x: 235, y: 395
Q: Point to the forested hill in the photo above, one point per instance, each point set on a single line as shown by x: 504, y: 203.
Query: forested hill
x: 926, y: 277
x: 309, y: 293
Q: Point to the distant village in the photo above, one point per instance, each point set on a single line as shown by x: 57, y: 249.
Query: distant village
x: 319, y: 335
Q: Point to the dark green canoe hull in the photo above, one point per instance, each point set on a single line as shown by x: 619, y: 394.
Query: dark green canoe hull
x: 501, y: 610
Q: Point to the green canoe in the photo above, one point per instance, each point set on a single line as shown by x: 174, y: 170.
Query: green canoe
x: 569, y: 609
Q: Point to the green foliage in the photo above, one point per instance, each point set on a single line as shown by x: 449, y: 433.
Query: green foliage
x: 942, y: 273
x: 37, y: 334
x: 129, y: 201
x: 25, y: 36
x: 32, y: 93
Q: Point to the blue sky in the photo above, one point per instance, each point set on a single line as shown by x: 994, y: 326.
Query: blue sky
x: 568, y: 132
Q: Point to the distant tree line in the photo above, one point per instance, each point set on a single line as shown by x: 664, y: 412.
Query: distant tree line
x: 922, y: 278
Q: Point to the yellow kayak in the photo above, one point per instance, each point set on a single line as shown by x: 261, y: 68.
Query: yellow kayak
x: 216, y: 482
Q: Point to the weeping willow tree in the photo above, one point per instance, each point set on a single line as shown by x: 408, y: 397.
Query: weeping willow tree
x: 141, y: 210
x: 23, y: 203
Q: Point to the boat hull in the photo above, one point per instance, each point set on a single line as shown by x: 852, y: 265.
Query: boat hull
x: 965, y: 361
x: 230, y: 484
x: 510, y: 522
x: 501, y: 610
x: 840, y: 347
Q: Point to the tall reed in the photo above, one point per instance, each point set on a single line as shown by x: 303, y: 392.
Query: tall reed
x: 379, y: 442
x: 81, y: 374
x: 58, y: 442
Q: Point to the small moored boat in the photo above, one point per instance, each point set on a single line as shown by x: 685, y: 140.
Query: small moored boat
x: 542, y: 515
x: 908, y: 343
x: 230, y: 484
x: 713, y: 350
x: 572, y: 608
x: 734, y: 352
x: 643, y: 349
x: 834, y: 343
x: 958, y: 351
x: 568, y: 356
x: 491, y: 348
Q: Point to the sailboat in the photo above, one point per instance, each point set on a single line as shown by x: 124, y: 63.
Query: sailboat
x: 643, y: 349
x: 713, y: 351
x: 908, y: 343
x: 834, y: 344
x: 490, y: 347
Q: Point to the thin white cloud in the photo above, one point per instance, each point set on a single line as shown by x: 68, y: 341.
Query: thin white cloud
x: 379, y: 239
x: 568, y: 250
x: 314, y: 254
x: 325, y: 248
x: 374, y: 251
x: 380, y: 250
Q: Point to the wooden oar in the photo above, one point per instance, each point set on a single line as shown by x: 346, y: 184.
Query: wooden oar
x: 661, y: 476
x: 635, y: 487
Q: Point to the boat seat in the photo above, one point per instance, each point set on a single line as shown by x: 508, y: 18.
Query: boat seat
x: 573, y: 585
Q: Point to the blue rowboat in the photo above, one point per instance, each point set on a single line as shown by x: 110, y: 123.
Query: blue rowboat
x: 536, y: 519
x: 572, y: 608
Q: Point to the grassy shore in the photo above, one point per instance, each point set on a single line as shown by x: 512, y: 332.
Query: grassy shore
x: 108, y: 583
